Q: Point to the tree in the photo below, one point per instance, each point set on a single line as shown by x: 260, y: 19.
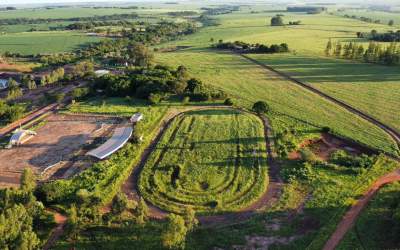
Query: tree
x: 31, y: 84
x: 190, y: 218
x: 119, y: 204
x: 174, y: 234
x: 140, y: 55
x: 228, y: 102
x: 328, y: 49
x: 260, y: 107
x: 277, y: 21
x: 28, y: 180
x: 14, y: 91
x: 73, y: 221
x: 43, y: 81
x: 391, y: 23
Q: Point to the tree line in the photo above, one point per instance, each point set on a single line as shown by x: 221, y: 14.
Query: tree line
x: 368, y: 19
x: 14, y: 21
x: 252, y: 48
x: 389, y: 36
x: 373, y: 53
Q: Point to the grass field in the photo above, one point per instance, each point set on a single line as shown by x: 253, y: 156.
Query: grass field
x: 374, y: 89
x: 28, y: 43
x: 213, y: 160
x: 377, y: 228
x: 292, y: 106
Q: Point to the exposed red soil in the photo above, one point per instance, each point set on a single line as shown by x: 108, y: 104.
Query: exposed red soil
x: 324, y: 146
x: 351, y: 215
x: 57, y: 232
x: 57, y: 140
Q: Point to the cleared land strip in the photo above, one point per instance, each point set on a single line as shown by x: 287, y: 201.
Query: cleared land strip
x: 351, y: 215
x: 389, y: 130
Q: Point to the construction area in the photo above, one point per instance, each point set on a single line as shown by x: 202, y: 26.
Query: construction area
x: 57, y: 148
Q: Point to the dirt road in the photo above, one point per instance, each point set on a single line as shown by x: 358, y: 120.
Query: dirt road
x: 351, y: 215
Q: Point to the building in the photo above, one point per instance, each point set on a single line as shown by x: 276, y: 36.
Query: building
x: 21, y: 136
x: 101, y: 72
x: 3, y: 83
x: 136, y: 117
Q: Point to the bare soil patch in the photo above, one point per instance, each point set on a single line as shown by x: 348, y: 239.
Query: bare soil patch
x: 59, y: 139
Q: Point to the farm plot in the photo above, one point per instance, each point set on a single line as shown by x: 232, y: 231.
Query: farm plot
x: 291, y: 105
x: 59, y: 138
x: 212, y: 160
x: 374, y: 89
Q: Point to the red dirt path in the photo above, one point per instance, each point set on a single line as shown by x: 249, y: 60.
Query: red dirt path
x: 351, y: 215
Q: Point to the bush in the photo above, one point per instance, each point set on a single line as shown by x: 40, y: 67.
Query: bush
x: 302, y: 171
x: 155, y: 98
x: 308, y: 156
x: 260, y: 107
x: 80, y: 93
x: 228, y: 102
x: 326, y: 129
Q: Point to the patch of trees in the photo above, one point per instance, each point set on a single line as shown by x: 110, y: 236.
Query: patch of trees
x: 294, y: 22
x: 21, y: 215
x: 7, y: 8
x: 14, y: 21
x: 342, y: 158
x: 53, y: 77
x: 277, y: 21
x: 58, y: 59
x: 92, y: 25
x: 253, y: 48
x: 182, y: 13
x: 389, y: 36
x: 220, y: 10
x: 157, y: 83
x: 10, y: 112
x: 374, y: 53
x: 308, y: 9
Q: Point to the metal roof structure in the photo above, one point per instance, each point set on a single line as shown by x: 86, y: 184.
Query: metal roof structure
x: 119, y: 138
x: 136, y: 117
x: 20, y: 136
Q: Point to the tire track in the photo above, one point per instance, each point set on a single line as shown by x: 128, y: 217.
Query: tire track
x: 389, y: 130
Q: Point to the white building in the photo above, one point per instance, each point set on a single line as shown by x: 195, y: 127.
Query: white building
x: 3, y: 83
x: 136, y: 117
x: 21, y: 136
x: 101, y: 72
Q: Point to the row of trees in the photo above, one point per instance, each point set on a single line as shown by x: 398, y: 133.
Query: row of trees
x: 14, y: 21
x: 374, y: 53
x: 53, y: 77
x: 253, y: 48
x: 389, y: 36
x: 368, y: 19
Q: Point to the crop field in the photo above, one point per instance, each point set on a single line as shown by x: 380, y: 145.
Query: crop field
x: 28, y: 43
x: 213, y: 160
x: 314, y: 30
x: 374, y: 89
x: 292, y: 106
x: 375, y: 227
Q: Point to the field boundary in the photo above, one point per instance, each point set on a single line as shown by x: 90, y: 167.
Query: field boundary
x: 389, y: 130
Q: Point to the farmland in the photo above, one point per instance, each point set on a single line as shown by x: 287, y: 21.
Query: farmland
x: 242, y: 133
x: 213, y: 160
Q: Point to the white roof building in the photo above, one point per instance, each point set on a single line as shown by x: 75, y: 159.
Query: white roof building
x: 21, y: 136
x: 101, y: 72
x: 136, y: 117
x: 3, y: 83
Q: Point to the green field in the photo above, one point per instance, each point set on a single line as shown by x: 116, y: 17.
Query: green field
x: 371, y: 88
x: 292, y: 106
x: 378, y: 224
x: 28, y: 43
x: 213, y: 160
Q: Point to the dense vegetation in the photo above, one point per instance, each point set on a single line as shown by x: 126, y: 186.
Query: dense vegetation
x: 253, y: 48
x: 390, y: 36
x: 212, y: 160
x: 374, y: 53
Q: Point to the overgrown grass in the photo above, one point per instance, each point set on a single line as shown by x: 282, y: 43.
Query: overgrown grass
x: 213, y: 160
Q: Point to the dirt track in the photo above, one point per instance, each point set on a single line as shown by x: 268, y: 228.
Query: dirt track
x: 271, y: 195
x: 351, y: 215
x: 389, y: 130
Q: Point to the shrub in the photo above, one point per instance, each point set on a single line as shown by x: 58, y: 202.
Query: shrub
x: 228, y: 102
x: 260, y: 107
x: 308, y: 156
x: 155, y: 98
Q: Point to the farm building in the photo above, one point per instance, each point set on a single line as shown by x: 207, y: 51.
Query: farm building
x: 136, y: 117
x: 21, y: 136
x: 101, y: 72
x: 117, y: 141
x: 5, y: 77
x: 3, y: 83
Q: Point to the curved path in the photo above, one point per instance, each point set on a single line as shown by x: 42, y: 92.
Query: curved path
x: 271, y: 195
x: 351, y: 215
x: 389, y: 130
